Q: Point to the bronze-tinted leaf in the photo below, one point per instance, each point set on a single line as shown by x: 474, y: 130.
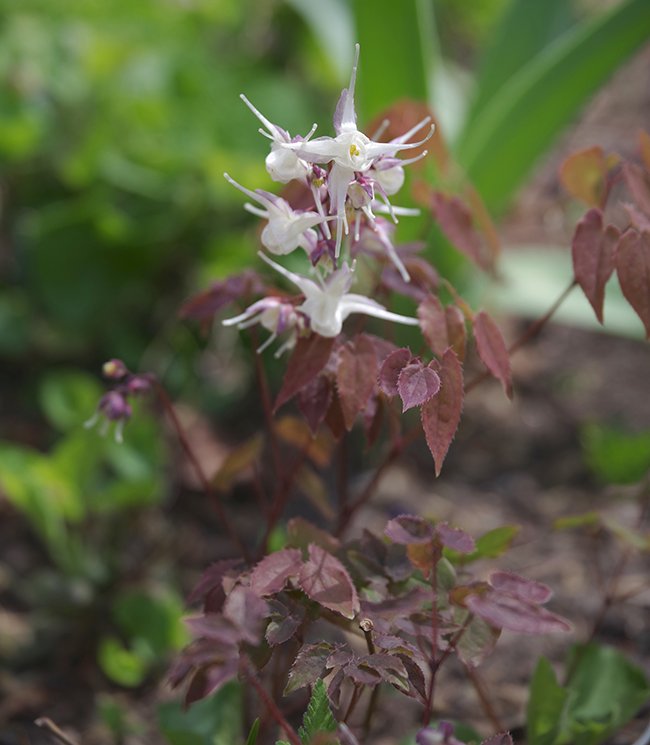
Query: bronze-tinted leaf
x: 456, y: 222
x: 583, y: 175
x: 407, y: 529
x: 417, y: 384
x: 356, y: 377
x: 296, y: 432
x: 273, y: 572
x: 455, y: 538
x: 433, y: 323
x: 314, y: 400
x: 514, y: 614
x: 492, y: 350
x: 644, y: 147
x: 238, y: 463
x: 309, y: 357
x: 456, y: 333
x: 633, y: 269
x: 592, y: 250
x: 326, y: 581
x: 308, y: 666
x: 520, y: 587
x: 638, y: 182
x: 203, y: 306
x: 441, y: 414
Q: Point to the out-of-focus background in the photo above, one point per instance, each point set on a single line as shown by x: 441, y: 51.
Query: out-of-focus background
x: 117, y: 122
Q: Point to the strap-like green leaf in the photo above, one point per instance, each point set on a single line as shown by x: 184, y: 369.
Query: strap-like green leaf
x: 523, y: 117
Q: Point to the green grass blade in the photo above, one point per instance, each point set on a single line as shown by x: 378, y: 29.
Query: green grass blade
x: 398, y: 52
x: 525, y: 28
x: 522, y: 119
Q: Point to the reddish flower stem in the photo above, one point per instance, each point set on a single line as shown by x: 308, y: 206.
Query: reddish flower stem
x: 209, y: 491
x: 270, y: 704
x: 487, y: 705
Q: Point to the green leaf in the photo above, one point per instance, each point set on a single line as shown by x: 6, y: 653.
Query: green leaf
x: 155, y: 621
x: 252, y: 735
x: 215, y: 720
x: 605, y: 689
x: 396, y: 56
x: 488, y: 546
x: 525, y: 28
x: 616, y: 457
x: 500, y: 145
x: 546, y: 706
x: 318, y: 717
x: 123, y: 666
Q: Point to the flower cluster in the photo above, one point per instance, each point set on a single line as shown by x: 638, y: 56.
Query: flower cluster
x: 114, y: 406
x: 349, y: 178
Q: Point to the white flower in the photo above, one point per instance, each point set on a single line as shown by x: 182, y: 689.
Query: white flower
x: 282, y: 165
x: 327, y: 304
x: 349, y: 152
x: 272, y: 313
x: 286, y: 229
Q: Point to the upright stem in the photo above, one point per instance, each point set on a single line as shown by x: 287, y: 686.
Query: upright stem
x: 270, y: 704
x: 267, y: 408
x: 488, y: 708
x: 433, y: 664
x: 198, y: 469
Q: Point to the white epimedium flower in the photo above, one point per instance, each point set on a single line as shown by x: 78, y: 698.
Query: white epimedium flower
x: 350, y: 151
x: 328, y: 303
x: 275, y: 315
x: 282, y: 165
x: 286, y: 228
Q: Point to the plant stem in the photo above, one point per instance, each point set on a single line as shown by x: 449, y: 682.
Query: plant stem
x: 530, y: 333
x: 488, y: 708
x: 433, y: 664
x: 267, y: 408
x: 270, y: 704
x: 198, y: 469
x: 54, y: 730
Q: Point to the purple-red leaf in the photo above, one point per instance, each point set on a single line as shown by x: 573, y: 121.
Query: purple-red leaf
x: 638, y: 182
x: 514, y: 614
x: 477, y: 642
x: 502, y: 738
x: 456, y: 222
x: 456, y: 333
x: 513, y: 584
x: 455, y: 538
x: 247, y: 611
x: 441, y: 414
x: 433, y: 324
x: 326, y: 581
x: 282, y: 623
x: 309, y: 357
x: 492, y: 350
x: 356, y: 376
x: 209, y: 680
x: 308, y: 666
x: 633, y: 270
x: 314, y: 400
x: 417, y: 384
x: 407, y: 529
x: 592, y: 250
x: 391, y: 368
x: 203, y: 306
x: 273, y: 572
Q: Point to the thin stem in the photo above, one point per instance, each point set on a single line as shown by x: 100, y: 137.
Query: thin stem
x: 342, y: 475
x: 488, y: 708
x: 198, y: 469
x: 530, y: 333
x: 433, y: 664
x: 47, y: 724
x: 354, y: 700
x: 270, y: 704
x: 260, y: 375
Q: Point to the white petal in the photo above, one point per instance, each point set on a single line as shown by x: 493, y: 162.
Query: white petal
x: 306, y: 286
x: 359, y: 304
